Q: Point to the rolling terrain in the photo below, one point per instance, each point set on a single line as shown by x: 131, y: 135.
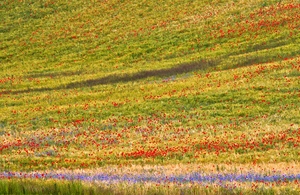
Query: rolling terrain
x: 113, y: 86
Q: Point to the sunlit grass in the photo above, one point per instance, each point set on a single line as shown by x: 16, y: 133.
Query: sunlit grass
x: 31, y: 186
x: 91, y: 85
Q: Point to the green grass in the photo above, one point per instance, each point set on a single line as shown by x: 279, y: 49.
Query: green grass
x: 29, y: 186
x: 88, y: 84
x: 209, y: 68
x: 16, y: 186
x: 78, y: 41
x: 261, y: 101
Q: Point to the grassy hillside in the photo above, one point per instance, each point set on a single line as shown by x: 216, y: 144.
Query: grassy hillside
x: 84, y: 84
x: 48, y: 44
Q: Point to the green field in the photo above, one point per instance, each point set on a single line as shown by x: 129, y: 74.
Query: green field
x: 96, y: 84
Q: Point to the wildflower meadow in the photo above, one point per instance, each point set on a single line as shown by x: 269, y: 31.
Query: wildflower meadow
x: 150, y: 97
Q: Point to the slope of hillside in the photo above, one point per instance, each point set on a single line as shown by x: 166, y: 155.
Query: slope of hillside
x: 68, y: 41
x: 85, y: 84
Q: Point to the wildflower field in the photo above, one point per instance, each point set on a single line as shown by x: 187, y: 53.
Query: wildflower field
x: 150, y: 97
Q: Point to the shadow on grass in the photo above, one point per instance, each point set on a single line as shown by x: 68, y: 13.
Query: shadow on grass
x: 55, y: 74
x: 183, y: 68
x: 116, y: 78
